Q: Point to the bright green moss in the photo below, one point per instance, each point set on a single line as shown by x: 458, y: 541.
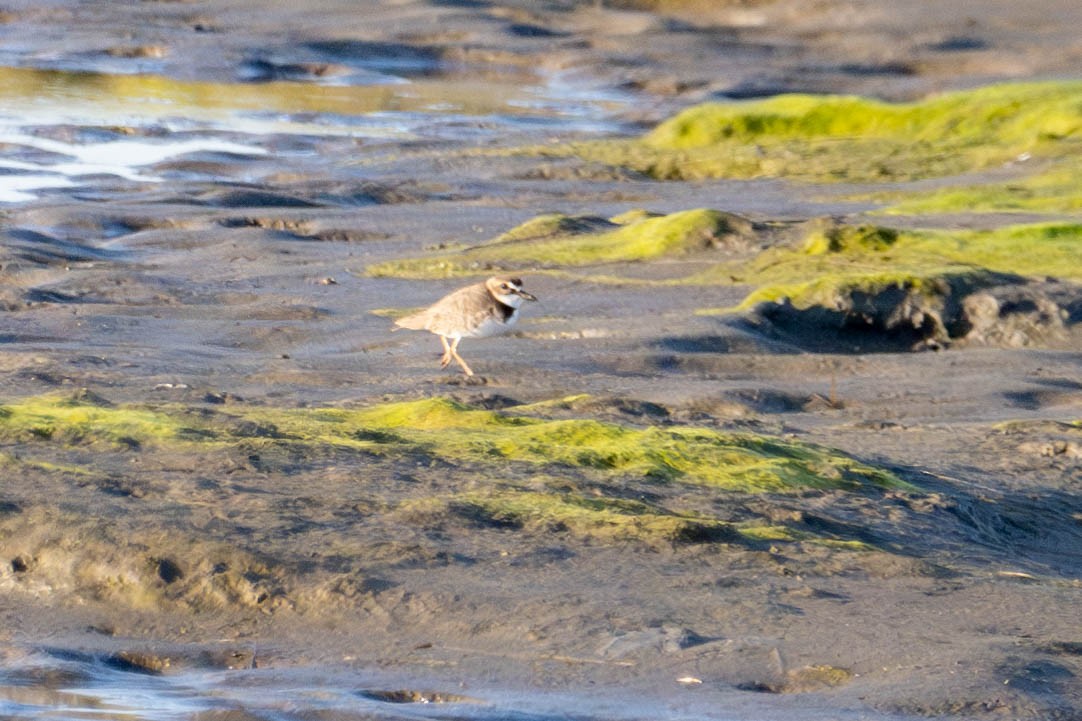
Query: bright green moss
x: 1046, y: 249
x: 688, y: 455
x: 820, y: 138
x: 551, y: 225
x: 561, y: 241
x: 795, y: 116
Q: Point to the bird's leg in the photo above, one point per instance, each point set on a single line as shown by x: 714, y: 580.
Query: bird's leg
x: 447, y: 352
x: 457, y: 357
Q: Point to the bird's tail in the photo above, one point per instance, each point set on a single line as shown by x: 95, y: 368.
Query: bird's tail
x: 416, y: 321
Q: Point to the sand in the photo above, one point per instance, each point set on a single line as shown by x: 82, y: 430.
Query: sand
x: 237, y: 282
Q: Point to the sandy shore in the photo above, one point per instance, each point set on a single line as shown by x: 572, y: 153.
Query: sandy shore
x: 236, y: 285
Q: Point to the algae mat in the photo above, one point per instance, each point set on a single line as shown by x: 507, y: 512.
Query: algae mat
x: 555, y: 241
x: 835, y: 138
x: 448, y: 431
x: 1002, y: 148
x: 535, y: 469
x: 818, y: 249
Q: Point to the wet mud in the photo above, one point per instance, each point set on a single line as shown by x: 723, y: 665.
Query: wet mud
x: 787, y: 442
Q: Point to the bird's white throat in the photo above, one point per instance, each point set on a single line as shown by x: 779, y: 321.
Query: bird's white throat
x: 509, y: 299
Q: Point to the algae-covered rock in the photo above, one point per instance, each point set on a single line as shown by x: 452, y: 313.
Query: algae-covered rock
x: 888, y: 311
x: 905, y: 310
x: 891, y: 288
x: 908, y: 312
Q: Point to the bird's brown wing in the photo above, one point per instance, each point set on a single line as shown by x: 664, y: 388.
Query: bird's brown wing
x: 461, y: 310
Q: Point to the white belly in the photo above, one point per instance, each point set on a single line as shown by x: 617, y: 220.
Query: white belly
x: 491, y: 326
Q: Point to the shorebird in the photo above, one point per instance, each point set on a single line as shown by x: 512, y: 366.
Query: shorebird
x: 476, y: 311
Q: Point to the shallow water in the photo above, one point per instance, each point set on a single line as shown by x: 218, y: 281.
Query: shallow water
x: 165, y: 119
x: 64, y: 685
x: 55, y: 684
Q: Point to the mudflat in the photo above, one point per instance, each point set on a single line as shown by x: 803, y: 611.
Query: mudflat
x: 793, y: 431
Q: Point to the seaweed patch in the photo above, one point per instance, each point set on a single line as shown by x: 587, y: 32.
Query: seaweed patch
x: 560, y: 241
x: 846, y: 138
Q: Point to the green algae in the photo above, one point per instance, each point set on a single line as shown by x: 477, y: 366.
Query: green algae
x: 787, y: 534
x: 844, y: 138
x: 835, y: 262
x: 451, y: 430
x: 555, y: 240
x: 731, y: 461
x: 526, y: 468
x: 17, y: 463
x: 849, y: 239
x: 72, y: 422
x: 835, y: 293
x: 610, y: 519
x: 829, y: 257
x: 1057, y: 190
x: 600, y: 518
x: 442, y: 428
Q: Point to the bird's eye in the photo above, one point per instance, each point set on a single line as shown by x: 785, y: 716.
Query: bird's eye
x: 503, y: 286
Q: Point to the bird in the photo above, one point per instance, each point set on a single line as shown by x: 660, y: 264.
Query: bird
x: 476, y: 311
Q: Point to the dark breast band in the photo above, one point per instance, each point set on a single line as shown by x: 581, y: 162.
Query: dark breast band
x: 504, y: 311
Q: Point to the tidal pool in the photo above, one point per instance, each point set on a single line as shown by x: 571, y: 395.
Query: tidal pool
x: 60, y: 126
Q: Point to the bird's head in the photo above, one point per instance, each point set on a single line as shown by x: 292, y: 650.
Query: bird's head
x: 508, y: 291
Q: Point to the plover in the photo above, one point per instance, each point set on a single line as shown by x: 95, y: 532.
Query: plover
x: 475, y: 311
